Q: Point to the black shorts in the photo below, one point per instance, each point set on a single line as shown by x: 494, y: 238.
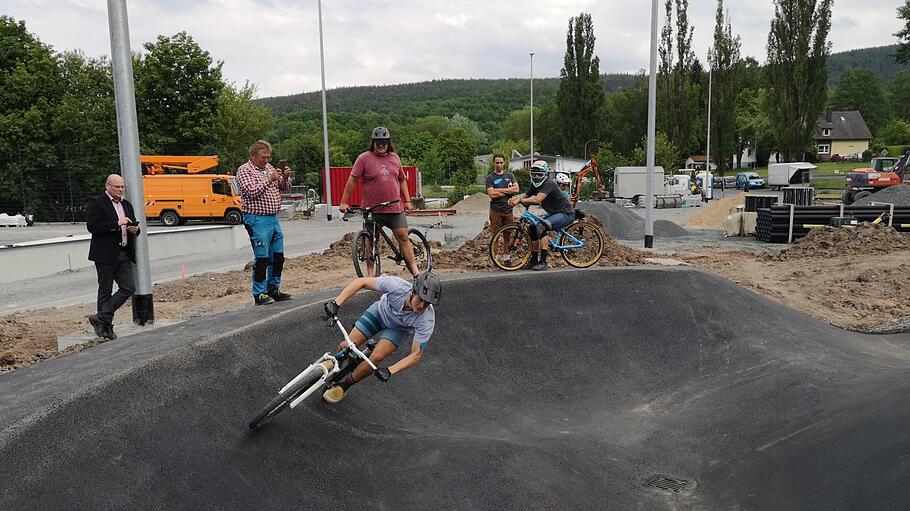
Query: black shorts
x: 391, y: 220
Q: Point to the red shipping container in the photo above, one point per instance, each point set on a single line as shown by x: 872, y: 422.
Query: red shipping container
x: 340, y: 176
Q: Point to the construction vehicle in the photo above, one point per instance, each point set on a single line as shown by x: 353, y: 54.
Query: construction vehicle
x: 176, y: 190
x: 882, y: 173
x: 591, y: 166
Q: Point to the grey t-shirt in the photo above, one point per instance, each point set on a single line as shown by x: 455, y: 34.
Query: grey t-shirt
x: 555, y: 201
x: 495, y: 180
x: 395, y: 292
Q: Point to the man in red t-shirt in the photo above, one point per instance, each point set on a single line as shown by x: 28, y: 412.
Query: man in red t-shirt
x: 383, y: 180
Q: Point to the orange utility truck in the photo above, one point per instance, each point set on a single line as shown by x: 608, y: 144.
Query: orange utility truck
x: 176, y: 198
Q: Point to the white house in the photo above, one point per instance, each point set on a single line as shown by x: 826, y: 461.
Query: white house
x: 557, y: 163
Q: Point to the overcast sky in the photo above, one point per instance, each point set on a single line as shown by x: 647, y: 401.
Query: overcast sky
x: 275, y: 43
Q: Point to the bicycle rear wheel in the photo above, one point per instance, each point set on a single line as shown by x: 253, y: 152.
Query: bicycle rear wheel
x: 362, y: 254
x: 593, y: 240
x: 283, y: 399
x: 423, y: 257
x: 510, y: 247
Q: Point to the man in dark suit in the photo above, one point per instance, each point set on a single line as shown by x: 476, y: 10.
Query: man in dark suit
x: 112, y: 222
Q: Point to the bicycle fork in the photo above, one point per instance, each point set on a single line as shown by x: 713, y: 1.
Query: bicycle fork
x: 327, y: 365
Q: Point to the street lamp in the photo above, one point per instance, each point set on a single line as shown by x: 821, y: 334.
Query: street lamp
x: 652, y: 114
x: 532, y: 108
x: 325, y: 123
x: 586, y: 155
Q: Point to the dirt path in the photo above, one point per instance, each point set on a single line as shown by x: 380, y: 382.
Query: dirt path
x: 855, y: 279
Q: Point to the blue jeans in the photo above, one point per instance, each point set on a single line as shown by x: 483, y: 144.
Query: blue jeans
x: 267, y: 241
x: 559, y: 220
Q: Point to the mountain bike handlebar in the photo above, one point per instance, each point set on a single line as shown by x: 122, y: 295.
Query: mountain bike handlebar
x: 350, y: 344
x: 357, y: 209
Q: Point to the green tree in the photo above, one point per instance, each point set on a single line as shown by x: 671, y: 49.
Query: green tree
x: 666, y: 154
x: 454, y: 151
x: 517, y: 125
x: 753, y: 127
x: 625, y: 117
x: 860, y: 89
x: 899, y: 95
x: 725, y: 65
x: 902, y: 55
x: 30, y: 90
x: 580, y: 94
x: 178, y: 87
x: 896, y: 132
x: 237, y: 124
x: 798, y: 49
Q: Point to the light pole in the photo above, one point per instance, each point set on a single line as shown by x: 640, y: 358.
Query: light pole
x: 707, y: 182
x: 586, y: 155
x: 325, y: 123
x: 652, y: 114
x: 532, y: 109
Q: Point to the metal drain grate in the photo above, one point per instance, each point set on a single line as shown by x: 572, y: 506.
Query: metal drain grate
x: 671, y: 484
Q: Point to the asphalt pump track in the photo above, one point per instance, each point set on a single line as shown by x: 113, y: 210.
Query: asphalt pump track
x: 645, y: 388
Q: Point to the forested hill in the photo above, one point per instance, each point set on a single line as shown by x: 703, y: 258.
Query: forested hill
x: 438, y: 97
x: 496, y: 98
x: 879, y: 60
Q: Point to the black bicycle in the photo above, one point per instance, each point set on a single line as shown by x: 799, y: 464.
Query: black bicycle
x: 368, y: 250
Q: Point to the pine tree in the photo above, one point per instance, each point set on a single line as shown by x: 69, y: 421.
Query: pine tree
x: 725, y: 63
x: 580, y: 95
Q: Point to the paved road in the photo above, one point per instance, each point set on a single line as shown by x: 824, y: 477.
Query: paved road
x: 301, y: 237
x: 628, y: 390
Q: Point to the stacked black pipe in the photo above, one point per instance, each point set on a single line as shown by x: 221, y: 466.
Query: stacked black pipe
x: 773, y: 224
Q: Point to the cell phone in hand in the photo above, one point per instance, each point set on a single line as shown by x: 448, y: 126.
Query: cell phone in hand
x: 282, y: 164
x: 133, y: 223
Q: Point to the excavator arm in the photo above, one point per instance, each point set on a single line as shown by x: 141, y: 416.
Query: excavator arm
x: 589, y: 168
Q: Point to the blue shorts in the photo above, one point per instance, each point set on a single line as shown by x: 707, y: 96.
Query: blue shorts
x: 370, y: 324
x: 559, y: 220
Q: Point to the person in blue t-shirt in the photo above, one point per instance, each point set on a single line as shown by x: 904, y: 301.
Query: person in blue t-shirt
x: 546, y: 193
x: 404, y: 310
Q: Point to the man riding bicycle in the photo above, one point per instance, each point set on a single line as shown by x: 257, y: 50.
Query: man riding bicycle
x: 546, y: 193
x: 402, y: 310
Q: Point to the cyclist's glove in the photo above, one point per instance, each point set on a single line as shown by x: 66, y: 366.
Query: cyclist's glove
x: 383, y: 373
x: 331, y: 310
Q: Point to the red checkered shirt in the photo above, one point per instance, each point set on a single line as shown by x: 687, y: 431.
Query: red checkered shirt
x: 260, y: 197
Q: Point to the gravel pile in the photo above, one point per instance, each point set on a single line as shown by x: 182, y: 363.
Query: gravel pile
x: 898, y: 195
x: 623, y: 224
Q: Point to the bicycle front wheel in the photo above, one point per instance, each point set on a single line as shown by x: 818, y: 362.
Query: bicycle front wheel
x: 590, y: 236
x: 422, y: 255
x: 283, y: 399
x: 510, y: 248
x: 362, y: 253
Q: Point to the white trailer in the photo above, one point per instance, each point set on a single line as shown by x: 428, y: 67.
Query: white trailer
x: 786, y: 174
x: 632, y: 182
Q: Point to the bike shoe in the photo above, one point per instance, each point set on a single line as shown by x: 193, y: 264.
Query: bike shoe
x: 264, y: 299
x: 334, y: 394
x: 278, y: 296
x: 539, y: 267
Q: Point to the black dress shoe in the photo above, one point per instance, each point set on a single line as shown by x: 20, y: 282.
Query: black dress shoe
x: 98, y: 325
x: 109, y: 333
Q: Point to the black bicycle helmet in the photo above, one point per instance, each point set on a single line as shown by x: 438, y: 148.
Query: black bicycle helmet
x: 381, y: 133
x: 428, y: 287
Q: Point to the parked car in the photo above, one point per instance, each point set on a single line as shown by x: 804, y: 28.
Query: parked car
x: 755, y: 181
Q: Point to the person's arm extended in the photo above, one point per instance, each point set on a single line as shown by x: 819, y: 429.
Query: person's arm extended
x: 413, y: 357
x: 354, y: 286
x: 528, y: 200
x: 405, y: 194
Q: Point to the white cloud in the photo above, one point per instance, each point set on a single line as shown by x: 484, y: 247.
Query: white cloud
x: 275, y: 43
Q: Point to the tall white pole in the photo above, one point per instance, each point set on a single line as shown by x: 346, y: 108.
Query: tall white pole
x: 325, y: 123
x: 652, y: 114
x: 532, y: 109
x: 707, y: 182
x: 128, y: 139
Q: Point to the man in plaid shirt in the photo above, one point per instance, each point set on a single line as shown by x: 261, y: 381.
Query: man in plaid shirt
x: 260, y: 189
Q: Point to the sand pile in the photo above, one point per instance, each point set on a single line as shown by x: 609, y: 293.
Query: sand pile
x: 477, y: 203
x: 713, y: 215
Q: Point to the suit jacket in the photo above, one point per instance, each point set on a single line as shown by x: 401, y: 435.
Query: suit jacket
x: 101, y: 221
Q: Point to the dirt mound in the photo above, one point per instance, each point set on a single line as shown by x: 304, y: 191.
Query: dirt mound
x: 342, y: 247
x: 829, y: 242
x: 713, y: 215
x: 478, y: 203
x: 621, y: 223
x: 898, y: 195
